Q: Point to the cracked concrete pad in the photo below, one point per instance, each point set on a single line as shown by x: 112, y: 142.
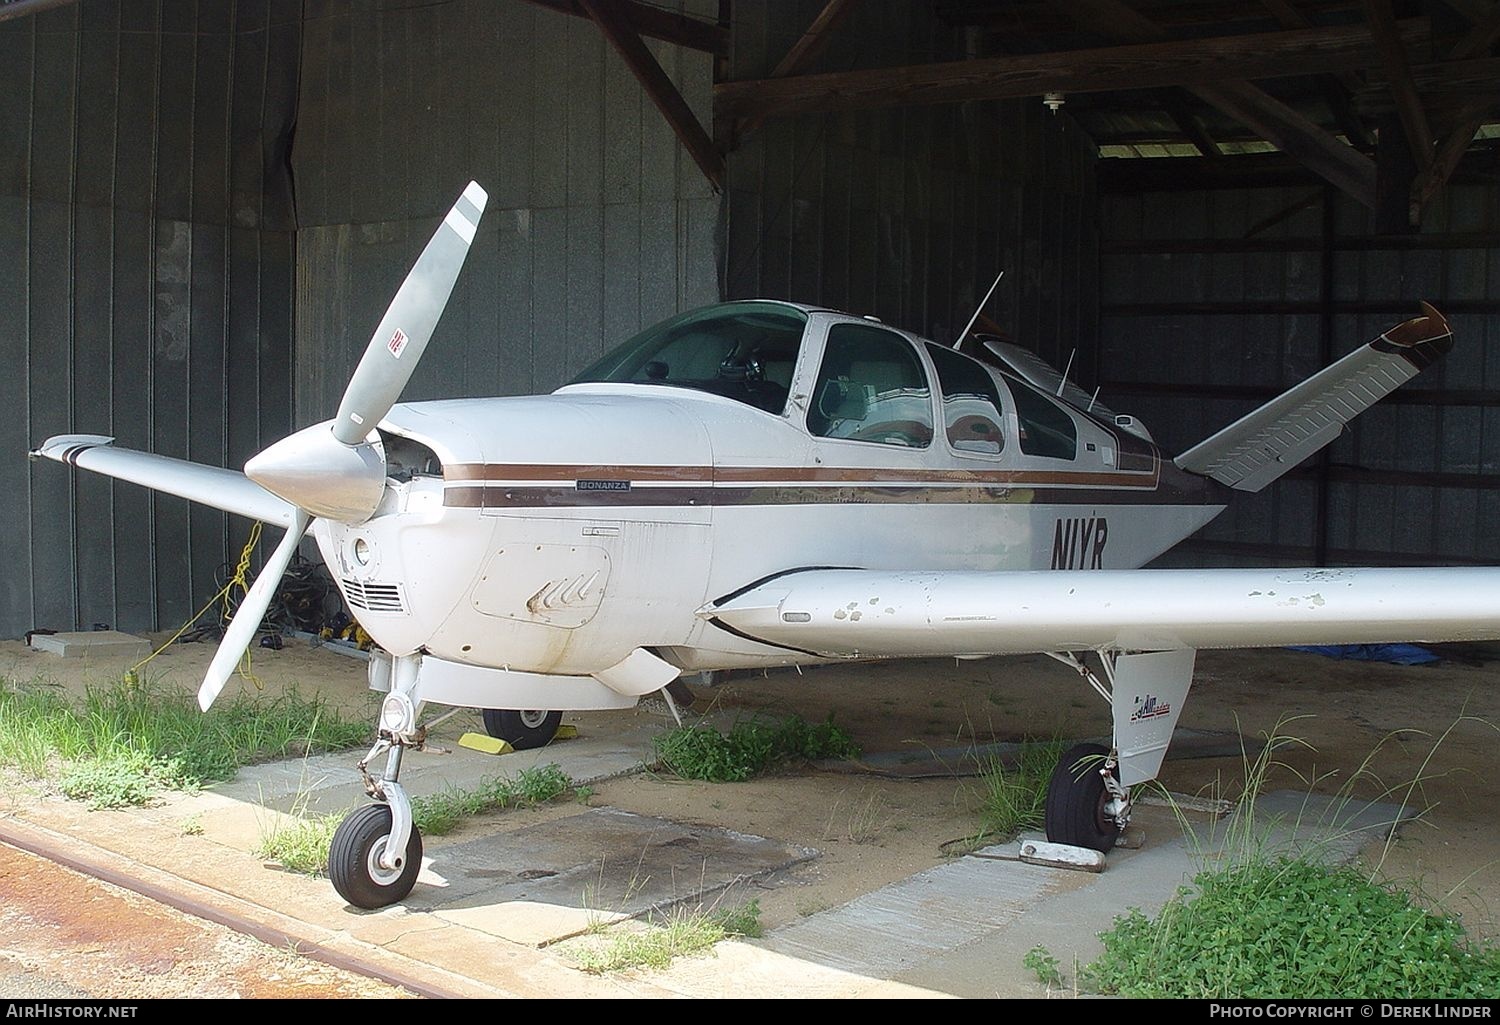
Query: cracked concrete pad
x: 556, y: 879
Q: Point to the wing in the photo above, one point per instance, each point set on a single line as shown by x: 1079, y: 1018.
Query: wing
x: 852, y: 613
x: 229, y: 490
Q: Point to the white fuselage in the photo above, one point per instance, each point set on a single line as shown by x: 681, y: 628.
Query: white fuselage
x: 564, y: 531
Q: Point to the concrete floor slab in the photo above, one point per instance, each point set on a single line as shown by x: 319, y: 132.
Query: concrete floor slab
x: 556, y: 879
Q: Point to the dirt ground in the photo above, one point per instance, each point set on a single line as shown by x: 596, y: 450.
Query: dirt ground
x: 1419, y: 733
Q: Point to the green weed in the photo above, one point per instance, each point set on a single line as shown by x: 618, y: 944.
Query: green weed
x: 300, y: 844
x: 1274, y: 923
x: 1040, y: 960
x: 1013, y: 798
x: 749, y: 748
x: 439, y: 814
x: 677, y: 934
x: 128, y: 742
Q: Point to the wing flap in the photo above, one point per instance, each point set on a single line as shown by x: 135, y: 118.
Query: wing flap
x: 214, y: 486
x: 886, y: 614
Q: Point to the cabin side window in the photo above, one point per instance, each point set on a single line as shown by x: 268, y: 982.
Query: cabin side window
x: 1046, y: 428
x: 871, y: 387
x: 972, y: 413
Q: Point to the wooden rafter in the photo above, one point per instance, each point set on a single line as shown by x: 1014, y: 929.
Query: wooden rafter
x: 1336, y: 89
x: 803, y: 53
x: 1190, y: 62
x: 1446, y: 160
x: 1408, y: 102
x: 610, y: 18
x: 1480, y: 37
x: 1274, y: 121
x: 655, y: 23
x: 1190, y: 127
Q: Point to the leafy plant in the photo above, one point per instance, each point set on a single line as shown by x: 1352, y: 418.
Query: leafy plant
x: 1040, y: 960
x: 1277, y: 923
x: 749, y: 748
x: 1292, y: 928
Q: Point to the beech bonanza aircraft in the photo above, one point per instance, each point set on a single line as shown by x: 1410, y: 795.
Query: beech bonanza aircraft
x: 773, y: 484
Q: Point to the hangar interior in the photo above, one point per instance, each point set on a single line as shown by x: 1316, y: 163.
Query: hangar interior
x: 207, y: 205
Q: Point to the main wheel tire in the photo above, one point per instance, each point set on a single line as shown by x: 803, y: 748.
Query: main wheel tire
x: 1076, y: 801
x: 354, y: 859
x: 522, y: 730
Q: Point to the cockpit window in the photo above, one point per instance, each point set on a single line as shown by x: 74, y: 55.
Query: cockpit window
x: 871, y: 387
x: 745, y: 351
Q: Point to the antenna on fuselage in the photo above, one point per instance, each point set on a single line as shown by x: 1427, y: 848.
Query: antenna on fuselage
x: 972, y: 320
x: 1066, y: 370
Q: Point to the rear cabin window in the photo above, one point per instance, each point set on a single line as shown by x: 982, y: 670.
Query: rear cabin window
x: 971, y: 403
x: 872, y: 388
x: 1046, y: 428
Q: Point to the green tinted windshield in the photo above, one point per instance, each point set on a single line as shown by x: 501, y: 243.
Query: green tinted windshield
x: 745, y: 351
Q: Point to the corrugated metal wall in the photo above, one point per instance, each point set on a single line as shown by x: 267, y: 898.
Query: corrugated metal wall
x: 909, y: 213
x: 1213, y: 301
x: 147, y: 254
x: 598, y: 222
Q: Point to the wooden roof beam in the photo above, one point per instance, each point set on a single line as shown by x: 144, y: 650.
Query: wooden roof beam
x: 655, y: 23
x: 611, y: 18
x: 1408, y: 102
x: 1445, y: 161
x: 1274, y: 121
x: 801, y: 56
x: 1336, y: 89
x: 1480, y: 37
x: 1189, y: 62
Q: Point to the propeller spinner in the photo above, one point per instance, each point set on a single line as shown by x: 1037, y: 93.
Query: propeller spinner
x: 336, y: 469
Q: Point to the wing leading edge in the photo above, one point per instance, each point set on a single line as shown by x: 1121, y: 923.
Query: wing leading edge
x: 885, y: 614
x: 214, y: 486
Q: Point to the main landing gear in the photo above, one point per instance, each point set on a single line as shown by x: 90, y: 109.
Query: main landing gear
x: 1086, y: 805
x: 522, y: 730
x: 1088, y: 798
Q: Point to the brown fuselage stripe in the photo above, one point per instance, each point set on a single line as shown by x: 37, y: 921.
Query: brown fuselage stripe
x: 775, y: 476
x: 567, y: 498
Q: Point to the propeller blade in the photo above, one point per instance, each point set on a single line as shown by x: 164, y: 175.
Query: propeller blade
x: 401, y: 338
x: 252, y: 610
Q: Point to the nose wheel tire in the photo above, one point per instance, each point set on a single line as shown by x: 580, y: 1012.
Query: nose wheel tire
x: 354, y: 859
x: 1077, y: 800
x: 522, y: 729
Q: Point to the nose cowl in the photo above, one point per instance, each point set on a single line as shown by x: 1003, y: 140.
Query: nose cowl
x: 315, y: 471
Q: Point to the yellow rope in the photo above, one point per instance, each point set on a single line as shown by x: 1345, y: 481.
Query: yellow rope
x: 241, y: 574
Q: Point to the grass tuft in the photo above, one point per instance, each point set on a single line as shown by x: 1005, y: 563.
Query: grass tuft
x: 126, y: 743
x: 681, y: 932
x: 749, y: 748
x: 1013, y: 798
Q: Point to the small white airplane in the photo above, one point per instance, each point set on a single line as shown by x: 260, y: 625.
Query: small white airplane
x: 773, y: 484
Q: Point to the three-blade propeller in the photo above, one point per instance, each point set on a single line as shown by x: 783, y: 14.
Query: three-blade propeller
x: 336, y: 469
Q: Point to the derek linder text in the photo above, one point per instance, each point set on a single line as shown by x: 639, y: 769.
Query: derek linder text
x: 1371, y: 1009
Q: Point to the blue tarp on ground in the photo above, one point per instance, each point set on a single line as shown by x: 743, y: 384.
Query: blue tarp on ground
x: 1400, y: 654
